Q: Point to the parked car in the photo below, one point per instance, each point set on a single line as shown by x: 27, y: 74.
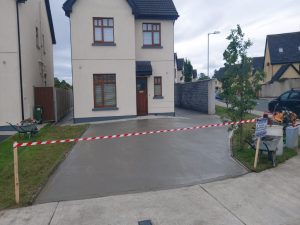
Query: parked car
x: 218, y: 95
x: 289, y: 100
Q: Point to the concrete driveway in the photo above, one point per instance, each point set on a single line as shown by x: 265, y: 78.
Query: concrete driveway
x: 138, y: 164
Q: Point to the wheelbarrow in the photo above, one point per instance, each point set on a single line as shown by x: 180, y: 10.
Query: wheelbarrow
x: 268, y: 145
x: 26, y: 128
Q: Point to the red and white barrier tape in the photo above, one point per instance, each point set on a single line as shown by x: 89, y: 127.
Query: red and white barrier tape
x: 17, y: 145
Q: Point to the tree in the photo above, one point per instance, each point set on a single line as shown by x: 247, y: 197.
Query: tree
x: 187, y: 71
x: 203, y: 77
x: 240, y: 85
x: 61, y: 84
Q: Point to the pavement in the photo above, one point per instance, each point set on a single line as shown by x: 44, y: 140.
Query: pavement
x: 262, y: 104
x: 268, y: 198
x: 144, y: 163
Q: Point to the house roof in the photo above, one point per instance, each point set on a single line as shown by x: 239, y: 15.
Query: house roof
x: 180, y: 63
x: 282, y: 70
x: 49, y: 15
x: 289, y: 43
x: 143, y: 68
x: 258, y: 63
x: 154, y: 9
x: 219, y: 74
x: 142, y: 9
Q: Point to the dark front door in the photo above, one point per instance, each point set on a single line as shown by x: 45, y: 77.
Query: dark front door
x: 44, y: 96
x: 141, y: 96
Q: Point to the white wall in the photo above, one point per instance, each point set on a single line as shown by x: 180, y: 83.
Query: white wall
x: 32, y: 14
x: 10, y: 100
x: 178, y: 76
x: 277, y: 88
x: 88, y: 60
x: 162, y: 61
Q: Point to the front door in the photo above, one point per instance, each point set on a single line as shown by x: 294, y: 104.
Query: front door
x: 142, y: 96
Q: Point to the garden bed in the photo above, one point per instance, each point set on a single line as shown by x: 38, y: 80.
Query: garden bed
x: 36, y: 163
x: 245, y: 154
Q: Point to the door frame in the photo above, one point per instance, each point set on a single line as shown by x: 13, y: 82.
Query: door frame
x: 137, y: 111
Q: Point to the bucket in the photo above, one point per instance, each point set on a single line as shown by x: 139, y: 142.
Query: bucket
x: 276, y: 130
x: 292, y: 137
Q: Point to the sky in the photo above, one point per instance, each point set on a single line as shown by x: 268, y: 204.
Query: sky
x: 258, y: 18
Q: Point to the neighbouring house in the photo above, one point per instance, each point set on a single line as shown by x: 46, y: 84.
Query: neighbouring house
x: 257, y: 65
x: 195, y: 76
x: 179, y: 62
x: 122, y: 58
x: 282, y: 56
x: 218, y: 76
x: 281, y: 64
x: 26, y: 56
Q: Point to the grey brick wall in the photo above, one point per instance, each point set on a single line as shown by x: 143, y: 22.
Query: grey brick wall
x: 198, y: 96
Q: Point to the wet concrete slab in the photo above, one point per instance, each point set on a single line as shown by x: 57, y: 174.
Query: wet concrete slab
x: 144, y: 163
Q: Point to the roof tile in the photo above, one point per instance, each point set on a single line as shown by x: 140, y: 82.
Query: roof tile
x: 289, y: 42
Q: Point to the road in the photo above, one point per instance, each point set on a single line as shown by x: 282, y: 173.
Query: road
x: 262, y: 105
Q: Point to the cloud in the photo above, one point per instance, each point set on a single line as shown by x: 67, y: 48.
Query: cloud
x: 257, y: 18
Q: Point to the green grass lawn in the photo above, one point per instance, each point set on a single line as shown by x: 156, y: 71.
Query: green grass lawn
x: 222, y: 112
x: 36, y: 163
x: 246, y: 155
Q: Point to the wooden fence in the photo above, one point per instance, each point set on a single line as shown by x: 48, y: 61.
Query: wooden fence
x: 64, y: 102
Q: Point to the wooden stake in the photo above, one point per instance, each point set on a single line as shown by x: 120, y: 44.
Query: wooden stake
x: 16, y: 172
x: 257, y: 152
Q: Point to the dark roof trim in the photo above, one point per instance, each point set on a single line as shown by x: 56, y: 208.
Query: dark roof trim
x: 156, y: 17
x: 143, y: 68
x: 67, y: 7
x: 50, y: 21
x: 284, y: 62
x: 282, y: 70
x: 49, y: 14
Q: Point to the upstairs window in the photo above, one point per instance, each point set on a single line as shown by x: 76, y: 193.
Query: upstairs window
x: 103, y: 30
x: 152, y: 34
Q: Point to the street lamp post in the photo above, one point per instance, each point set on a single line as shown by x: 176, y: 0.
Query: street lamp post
x: 216, y: 32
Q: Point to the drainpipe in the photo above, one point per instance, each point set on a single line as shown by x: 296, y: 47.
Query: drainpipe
x: 20, y: 60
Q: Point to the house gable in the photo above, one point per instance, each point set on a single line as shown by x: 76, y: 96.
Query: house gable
x: 142, y: 9
x: 50, y: 20
x: 286, y: 71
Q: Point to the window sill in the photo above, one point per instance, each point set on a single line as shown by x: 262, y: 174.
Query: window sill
x: 105, y: 109
x: 158, y: 97
x: 152, y: 47
x: 104, y: 44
